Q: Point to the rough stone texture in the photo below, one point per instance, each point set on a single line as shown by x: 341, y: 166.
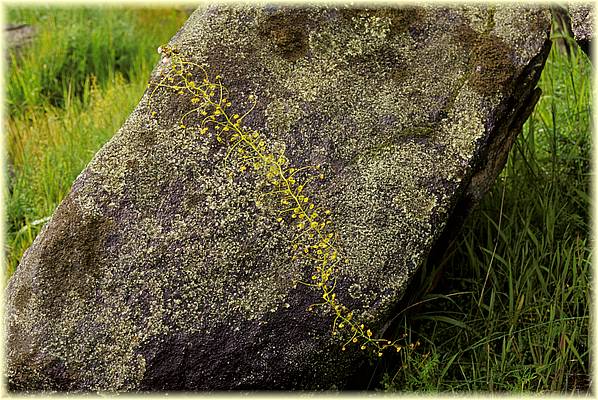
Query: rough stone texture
x: 157, y: 271
x: 18, y: 35
x: 582, y: 24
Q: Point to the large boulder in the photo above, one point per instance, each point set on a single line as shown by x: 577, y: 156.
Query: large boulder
x: 168, y: 266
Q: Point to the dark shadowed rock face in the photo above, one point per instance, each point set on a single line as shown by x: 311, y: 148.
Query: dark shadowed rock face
x: 160, y: 271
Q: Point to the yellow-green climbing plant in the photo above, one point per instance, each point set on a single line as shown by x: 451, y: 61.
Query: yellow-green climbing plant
x: 315, y: 241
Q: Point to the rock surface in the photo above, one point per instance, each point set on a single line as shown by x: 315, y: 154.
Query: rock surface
x: 582, y: 24
x: 17, y: 36
x: 160, y: 271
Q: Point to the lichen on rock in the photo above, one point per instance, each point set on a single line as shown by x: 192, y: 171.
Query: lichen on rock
x: 161, y: 270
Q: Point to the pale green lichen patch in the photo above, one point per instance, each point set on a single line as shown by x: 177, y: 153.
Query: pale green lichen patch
x: 463, y: 127
x: 512, y: 26
x: 282, y: 115
x: 388, y: 210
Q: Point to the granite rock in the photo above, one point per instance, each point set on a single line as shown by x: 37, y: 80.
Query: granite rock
x: 159, y: 271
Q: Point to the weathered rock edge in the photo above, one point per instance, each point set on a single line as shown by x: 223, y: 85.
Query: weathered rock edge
x: 582, y: 25
x: 158, y: 272
x: 575, y: 22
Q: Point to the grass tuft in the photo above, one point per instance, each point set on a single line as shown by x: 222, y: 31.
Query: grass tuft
x: 75, y: 44
x: 507, y: 309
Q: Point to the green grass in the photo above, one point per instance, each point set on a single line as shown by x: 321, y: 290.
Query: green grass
x: 507, y: 308
x: 67, y: 95
x: 77, y: 43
